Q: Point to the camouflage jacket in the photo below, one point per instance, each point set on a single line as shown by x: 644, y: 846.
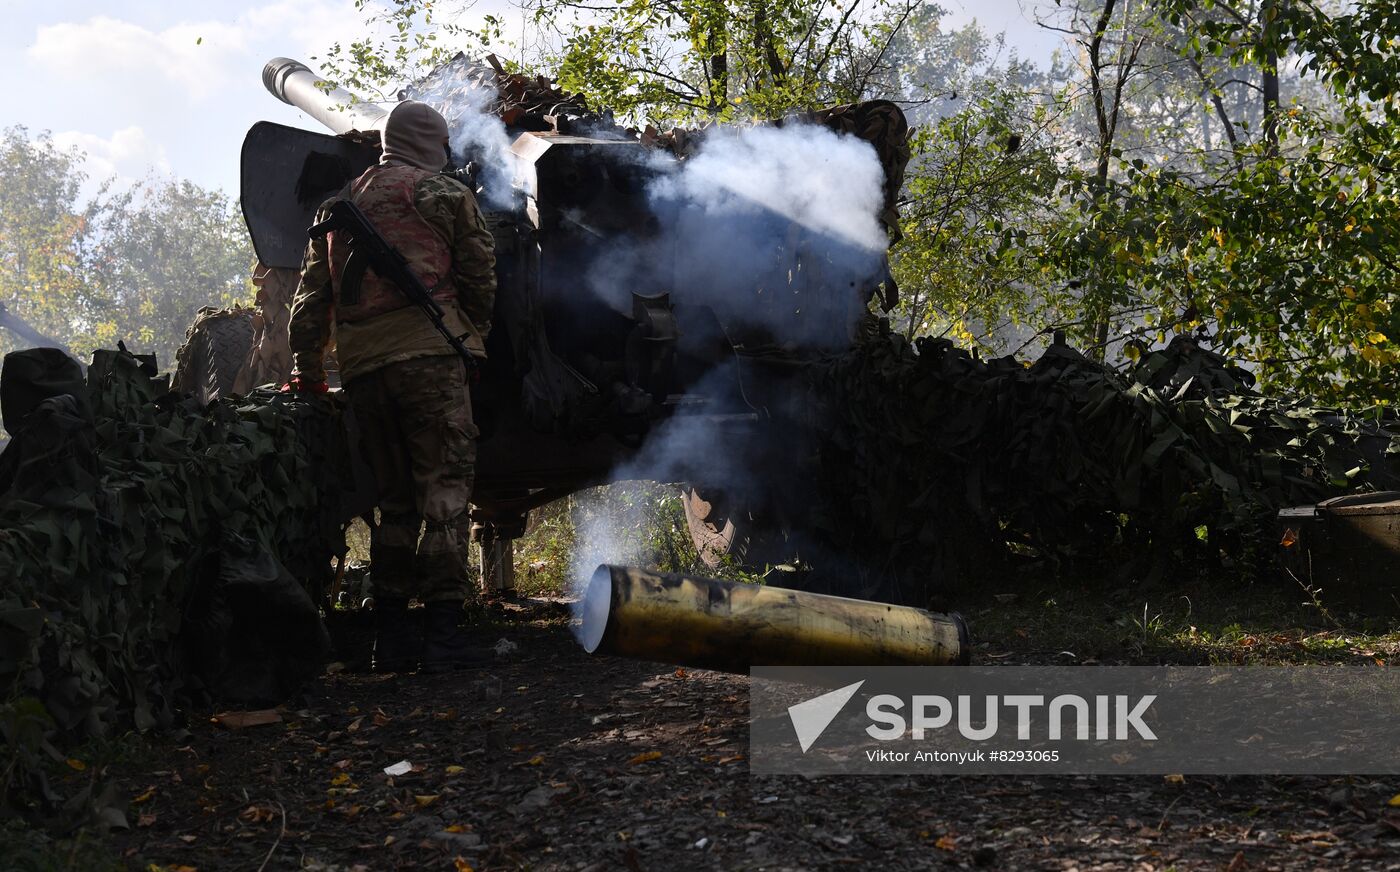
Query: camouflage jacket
x: 381, y: 329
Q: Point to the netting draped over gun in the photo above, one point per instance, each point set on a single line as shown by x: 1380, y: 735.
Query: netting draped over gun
x: 370, y: 250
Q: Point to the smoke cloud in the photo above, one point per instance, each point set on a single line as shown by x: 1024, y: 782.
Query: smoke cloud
x: 683, y: 448
x: 829, y: 184
x: 773, y: 228
x: 476, y: 134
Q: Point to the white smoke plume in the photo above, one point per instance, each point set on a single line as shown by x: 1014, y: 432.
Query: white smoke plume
x: 676, y: 450
x: 725, y: 239
x: 828, y: 183
x: 475, y: 132
x: 771, y: 227
x: 479, y: 135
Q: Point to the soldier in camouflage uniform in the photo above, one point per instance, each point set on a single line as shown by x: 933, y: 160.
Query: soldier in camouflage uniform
x: 407, y: 388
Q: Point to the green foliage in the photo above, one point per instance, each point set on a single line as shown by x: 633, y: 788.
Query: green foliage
x: 1287, y: 263
x: 636, y: 523
x: 41, y: 228
x: 666, y: 62
x: 1284, y: 255
x: 132, y: 265
x: 975, y: 180
x: 159, y: 252
x: 701, y: 58
x: 543, y: 557
x: 403, y: 42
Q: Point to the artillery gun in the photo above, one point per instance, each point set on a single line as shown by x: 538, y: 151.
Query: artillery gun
x: 580, y: 370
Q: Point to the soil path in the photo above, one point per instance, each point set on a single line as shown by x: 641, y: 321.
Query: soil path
x: 555, y: 761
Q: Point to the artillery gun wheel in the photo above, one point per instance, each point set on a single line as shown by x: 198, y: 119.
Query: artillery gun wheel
x: 725, y: 531
x: 216, y: 350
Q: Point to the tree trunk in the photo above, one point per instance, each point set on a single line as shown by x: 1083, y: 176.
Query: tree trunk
x: 719, y: 67
x: 1105, y: 149
x: 1269, y: 76
x: 764, y: 46
x: 1271, y: 105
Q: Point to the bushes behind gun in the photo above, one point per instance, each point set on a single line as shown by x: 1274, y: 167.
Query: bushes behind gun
x: 371, y: 250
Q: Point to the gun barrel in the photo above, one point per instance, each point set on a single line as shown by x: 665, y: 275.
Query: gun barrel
x: 294, y: 83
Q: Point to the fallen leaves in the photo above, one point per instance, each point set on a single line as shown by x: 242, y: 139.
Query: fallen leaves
x: 1315, y: 838
x: 568, y: 772
x: 243, y: 720
x: 258, y: 813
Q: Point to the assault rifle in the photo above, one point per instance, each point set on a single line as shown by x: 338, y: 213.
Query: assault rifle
x: 371, y: 250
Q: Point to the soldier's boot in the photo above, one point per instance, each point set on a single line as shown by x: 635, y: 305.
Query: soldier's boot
x: 447, y: 645
x: 396, y: 644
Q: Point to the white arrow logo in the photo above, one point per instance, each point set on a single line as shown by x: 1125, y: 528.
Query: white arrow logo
x: 811, y: 718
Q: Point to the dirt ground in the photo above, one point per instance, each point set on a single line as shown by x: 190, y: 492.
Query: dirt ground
x: 553, y: 760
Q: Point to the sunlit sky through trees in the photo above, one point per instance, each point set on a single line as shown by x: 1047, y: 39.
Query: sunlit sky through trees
x: 172, y: 87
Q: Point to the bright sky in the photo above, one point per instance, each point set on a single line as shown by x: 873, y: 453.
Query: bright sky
x: 171, y: 87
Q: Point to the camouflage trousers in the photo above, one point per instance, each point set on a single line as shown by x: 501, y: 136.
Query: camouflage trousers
x: 416, y: 431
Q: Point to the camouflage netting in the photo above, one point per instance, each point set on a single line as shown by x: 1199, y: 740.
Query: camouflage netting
x: 933, y: 459
x: 150, y: 550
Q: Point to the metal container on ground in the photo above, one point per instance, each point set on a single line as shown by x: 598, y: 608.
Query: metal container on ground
x: 1347, y: 550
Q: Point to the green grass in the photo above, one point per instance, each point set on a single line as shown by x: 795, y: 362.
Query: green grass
x: 1203, y: 619
x: 636, y: 523
x: 74, y: 838
x: 32, y: 849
